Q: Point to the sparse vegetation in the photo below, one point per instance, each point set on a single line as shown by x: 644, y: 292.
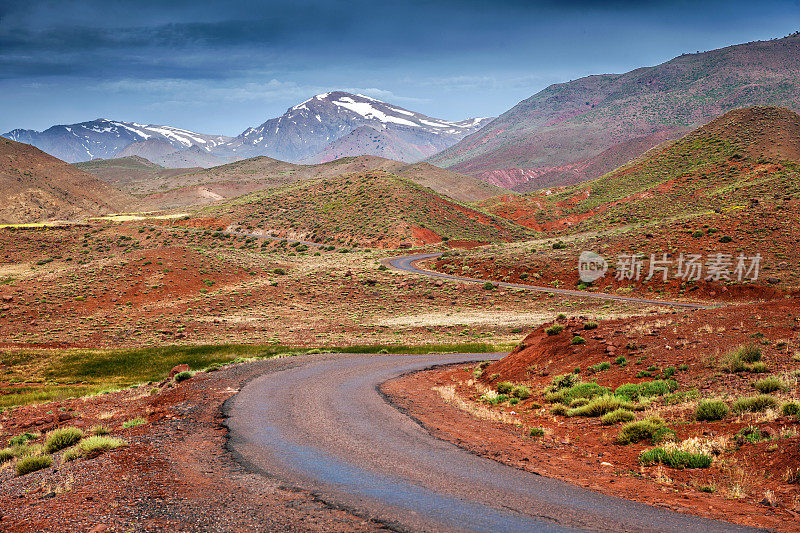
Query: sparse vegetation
x: 640, y: 430
x: 674, y: 458
x: 617, y: 416
x: 769, y: 384
x: 32, y: 463
x: 133, y: 423
x: 754, y: 404
x: 62, y: 438
x: 555, y: 329
x: 711, y: 410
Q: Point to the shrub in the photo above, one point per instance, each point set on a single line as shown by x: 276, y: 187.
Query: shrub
x: 662, y: 435
x: 787, y: 409
x: 559, y: 245
x: 6, y: 454
x: 559, y: 409
x: 489, y: 286
x: 600, y: 406
x: 711, y: 410
x: 683, y: 367
x: 522, y: 392
x: 577, y: 339
x: 183, y: 376
x: 590, y: 325
x: 674, y: 458
x: 644, y: 374
x: 32, y: 463
x: 697, y: 233
x: 279, y: 271
x: 725, y: 238
x: 138, y: 421
x: 561, y: 316
x: 21, y: 440
x: 668, y: 372
x: 100, y: 430
x: 751, y: 434
x: 578, y: 402
x: 754, y: 404
x: 537, y: 432
x: 737, y: 360
x: 639, y: 430
x: 563, y: 381
x: 555, y: 329
x: 581, y: 390
x: 605, y: 365
x: 767, y: 385
x: 71, y: 454
x: 634, y: 391
x: 759, y: 367
x: 97, y: 444
x: 504, y: 387
x: 62, y: 438
x: 617, y: 416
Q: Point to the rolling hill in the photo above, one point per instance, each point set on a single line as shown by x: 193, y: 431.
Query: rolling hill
x: 249, y: 175
x: 372, y: 208
x: 746, y: 157
x: 128, y: 173
x: 35, y: 186
x: 560, y: 131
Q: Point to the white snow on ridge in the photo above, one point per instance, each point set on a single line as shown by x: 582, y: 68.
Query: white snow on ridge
x: 367, y: 111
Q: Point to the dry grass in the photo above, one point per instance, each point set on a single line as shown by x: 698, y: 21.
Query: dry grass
x: 449, y: 394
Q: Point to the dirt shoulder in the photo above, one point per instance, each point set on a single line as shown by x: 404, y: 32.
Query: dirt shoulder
x: 565, y: 454
x: 175, y: 473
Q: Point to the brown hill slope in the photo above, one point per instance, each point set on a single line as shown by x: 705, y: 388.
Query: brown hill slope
x: 129, y: 172
x: 249, y: 175
x: 372, y: 208
x: 748, y: 155
x: 36, y: 187
x: 570, y: 123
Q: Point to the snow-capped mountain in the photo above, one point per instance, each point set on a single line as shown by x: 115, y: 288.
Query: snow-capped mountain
x: 105, y: 138
x: 305, y: 130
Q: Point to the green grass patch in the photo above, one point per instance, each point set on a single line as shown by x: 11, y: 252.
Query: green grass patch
x: 138, y: 421
x: 639, y: 430
x: 635, y: 391
x: 97, y: 443
x: 674, y: 458
x: 754, y: 404
x: 62, y: 438
x: 32, y: 463
x: 600, y: 406
x: 769, y: 384
x: 617, y: 416
x: 581, y: 390
x: 711, y: 410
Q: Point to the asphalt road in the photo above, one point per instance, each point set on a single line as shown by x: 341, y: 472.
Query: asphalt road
x: 406, y: 264
x: 321, y: 425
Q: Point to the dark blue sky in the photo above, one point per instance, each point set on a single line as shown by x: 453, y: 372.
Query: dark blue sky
x: 220, y: 66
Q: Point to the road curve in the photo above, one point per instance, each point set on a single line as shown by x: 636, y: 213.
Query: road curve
x: 322, y: 426
x: 406, y: 264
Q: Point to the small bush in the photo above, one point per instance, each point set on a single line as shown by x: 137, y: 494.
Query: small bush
x: 639, y: 430
x: 683, y: 367
x: 183, y: 376
x: 711, y: 410
x: 767, y: 385
x: 668, y: 372
x: 578, y: 402
x: 97, y: 444
x: 605, y: 365
x: 790, y: 409
x: 725, y: 238
x: 138, y: 421
x: 489, y: 286
x: 32, y: 463
x: 505, y: 387
x: 674, y: 458
x: 71, y: 454
x: 759, y: 367
x: 617, y: 416
x: 754, y: 404
x: 581, y: 390
x: 555, y: 329
x: 522, y: 392
x: 21, y: 440
x: 738, y: 359
x: 563, y: 381
x: 600, y: 406
x: 662, y: 435
x: 559, y: 245
x: 634, y: 391
x: 590, y: 325
x: 577, y: 339
x: 279, y: 271
x: 536, y: 432
x: 559, y: 409
x: 62, y: 438
x: 751, y: 434
x: 100, y: 430
x: 6, y: 454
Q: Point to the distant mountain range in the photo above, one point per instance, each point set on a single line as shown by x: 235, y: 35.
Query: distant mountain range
x: 320, y: 129
x: 571, y: 132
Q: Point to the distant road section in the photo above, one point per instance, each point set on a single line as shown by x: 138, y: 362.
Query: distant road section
x: 406, y: 264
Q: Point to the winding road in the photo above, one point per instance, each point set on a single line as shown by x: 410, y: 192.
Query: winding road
x: 406, y: 264
x: 323, y: 426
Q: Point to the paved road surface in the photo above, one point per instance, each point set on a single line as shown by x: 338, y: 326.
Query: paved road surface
x: 322, y: 425
x: 406, y: 264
